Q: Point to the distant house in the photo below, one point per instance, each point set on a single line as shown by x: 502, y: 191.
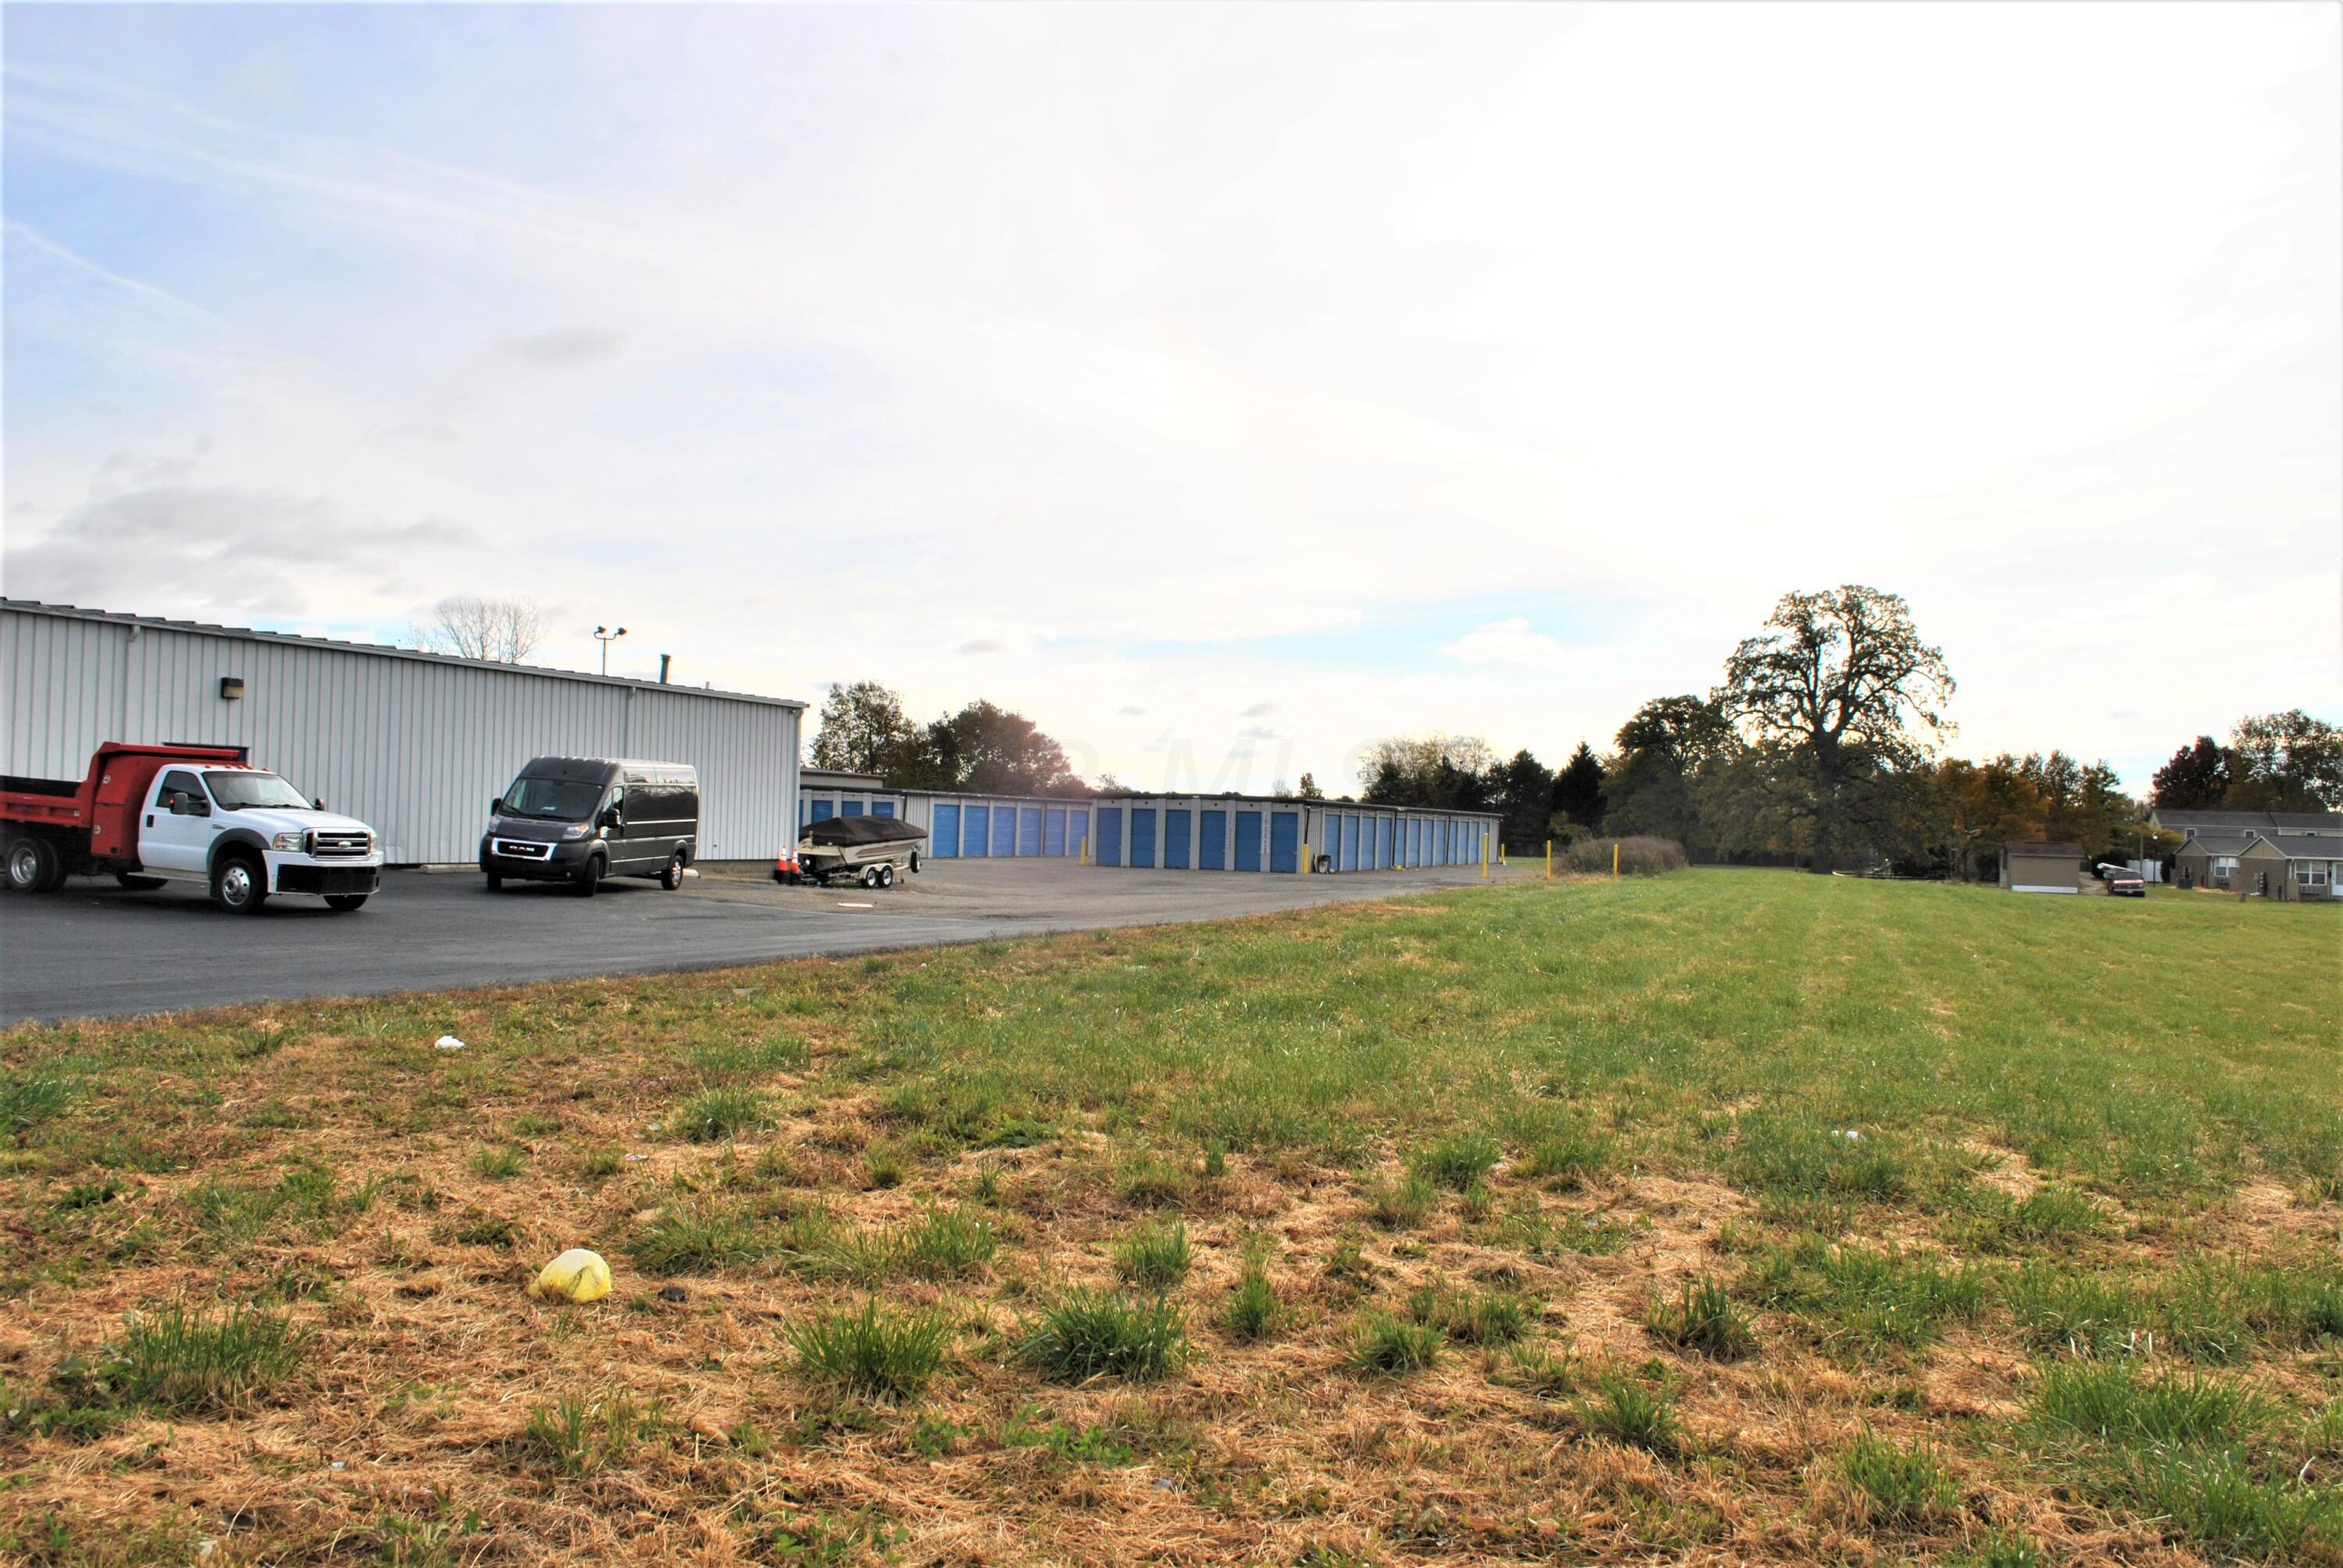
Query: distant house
x: 2210, y: 858
x: 2297, y: 868
x: 2042, y: 868
x: 2237, y: 824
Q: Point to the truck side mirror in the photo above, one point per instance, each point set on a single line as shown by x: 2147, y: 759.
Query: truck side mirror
x: 318, y: 803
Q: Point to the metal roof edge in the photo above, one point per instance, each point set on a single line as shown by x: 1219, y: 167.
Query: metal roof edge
x: 380, y: 650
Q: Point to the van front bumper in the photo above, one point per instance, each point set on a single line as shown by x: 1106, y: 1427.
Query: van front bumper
x: 527, y: 861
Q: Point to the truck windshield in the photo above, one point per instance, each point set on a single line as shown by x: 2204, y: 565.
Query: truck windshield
x: 235, y: 791
x: 561, y: 800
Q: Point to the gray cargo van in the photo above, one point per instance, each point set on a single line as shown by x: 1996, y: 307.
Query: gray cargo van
x: 579, y: 819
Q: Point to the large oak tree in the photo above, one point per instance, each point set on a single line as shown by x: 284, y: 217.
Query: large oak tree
x: 1840, y: 683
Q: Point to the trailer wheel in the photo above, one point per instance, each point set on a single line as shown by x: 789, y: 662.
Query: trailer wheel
x: 869, y: 876
x: 34, y: 866
x: 915, y: 862
x: 138, y: 884
x: 886, y: 876
x: 239, y: 884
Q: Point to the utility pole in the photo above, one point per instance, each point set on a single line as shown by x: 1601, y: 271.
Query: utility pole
x: 606, y: 637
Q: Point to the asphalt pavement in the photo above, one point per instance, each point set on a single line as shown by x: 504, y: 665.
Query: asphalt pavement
x: 97, y: 950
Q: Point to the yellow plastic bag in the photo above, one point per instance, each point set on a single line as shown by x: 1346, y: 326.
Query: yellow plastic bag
x: 577, y: 1275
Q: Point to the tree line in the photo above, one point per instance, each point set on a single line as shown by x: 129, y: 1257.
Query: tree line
x: 1820, y: 747
x: 983, y: 749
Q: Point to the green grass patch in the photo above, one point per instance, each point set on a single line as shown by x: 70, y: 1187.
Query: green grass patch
x: 1155, y: 1257
x: 1092, y: 1333
x: 1704, y: 1319
x: 881, y: 1355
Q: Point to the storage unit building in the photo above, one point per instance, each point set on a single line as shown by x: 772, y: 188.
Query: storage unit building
x: 824, y: 793
x: 999, y: 827
x: 416, y: 744
x: 2042, y: 868
x: 1281, y: 834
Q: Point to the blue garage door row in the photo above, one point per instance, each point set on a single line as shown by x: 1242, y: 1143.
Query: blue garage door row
x: 1003, y: 830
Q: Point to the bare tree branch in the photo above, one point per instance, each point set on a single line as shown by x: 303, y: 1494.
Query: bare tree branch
x: 499, y: 630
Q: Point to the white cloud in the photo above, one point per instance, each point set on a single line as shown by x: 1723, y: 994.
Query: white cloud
x: 1507, y: 642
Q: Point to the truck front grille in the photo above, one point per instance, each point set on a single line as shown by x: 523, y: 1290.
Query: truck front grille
x: 328, y: 846
x: 523, y: 850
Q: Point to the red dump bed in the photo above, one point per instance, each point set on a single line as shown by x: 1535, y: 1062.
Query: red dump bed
x: 106, y: 804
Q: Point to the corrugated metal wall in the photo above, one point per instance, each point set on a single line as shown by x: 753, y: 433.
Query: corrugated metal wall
x: 415, y: 746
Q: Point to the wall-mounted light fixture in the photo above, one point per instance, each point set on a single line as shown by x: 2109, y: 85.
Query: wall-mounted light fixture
x: 232, y: 688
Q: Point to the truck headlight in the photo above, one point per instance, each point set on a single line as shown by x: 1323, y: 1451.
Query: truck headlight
x: 577, y: 829
x: 291, y: 843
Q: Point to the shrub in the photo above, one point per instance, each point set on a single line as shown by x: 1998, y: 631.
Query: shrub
x: 1400, y: 1205
x: 1089, y: 1332
x: 687, y: 1238
x: 1638, y: 856
x: 1155, y: 1257
x: 196, y: 1361
x: 949, y: 1244
x: 881, y: 1355
x: 1702, y: 1319
x: 1253, y: 1311
x: 1384, y: 1346
x: 580, y: 1439
x: 714, y: 1114
x: 1895, y: 1485
x: 1629, y: 1411
x: 1457, y: 1162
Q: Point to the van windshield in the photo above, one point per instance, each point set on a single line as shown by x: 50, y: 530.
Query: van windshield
x: 235, y: 791
x: 560, y: 799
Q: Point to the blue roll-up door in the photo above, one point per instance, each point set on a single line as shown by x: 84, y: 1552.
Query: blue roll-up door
x: 1054, y: 831
x: 1142, y: 835
x: 1284, y: 840
x: 1382, y: 843
x: 1004, y: 830
x: 851, y: 808
x: 1177, y: 827
x: 1029, y: 830
x: 976, y: 827
x: 822, y: 810
x: 1213, y: 842
x: 1248, y: 842
x: 1350, y: 861
x: 943, y: 837
x: 882, y: 807
x: 1108, y: 850
x: 1078, y: 829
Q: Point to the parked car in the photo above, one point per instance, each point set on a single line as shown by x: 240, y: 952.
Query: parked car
x: 580, y: 820
x: 2122, y: 880
x: 153, y: 815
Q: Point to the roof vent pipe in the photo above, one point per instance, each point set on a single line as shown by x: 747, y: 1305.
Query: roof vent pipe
x: 663, y: 658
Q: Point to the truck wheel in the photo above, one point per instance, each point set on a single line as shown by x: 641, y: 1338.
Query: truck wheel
x: 138, y: 884
x: 672, y: 877
x: 343, y: 903
x: 589, y: 878
x: 239, y: 885
x: 33, y: 865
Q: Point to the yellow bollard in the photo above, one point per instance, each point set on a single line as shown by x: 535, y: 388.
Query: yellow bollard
x: 1549, y: 860
x: 1615, y: 860
x: 1306, y: 857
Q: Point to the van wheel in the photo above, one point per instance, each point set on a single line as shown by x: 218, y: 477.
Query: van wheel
x: 138, y: 884
x: 34, y: 866
x: 239, y: 885
x: 672, y: 877
x: 589, y: 878
x: 343, y: 903
x: 496, y: 884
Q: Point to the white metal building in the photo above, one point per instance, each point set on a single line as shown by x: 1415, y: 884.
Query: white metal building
x: 415, y: 744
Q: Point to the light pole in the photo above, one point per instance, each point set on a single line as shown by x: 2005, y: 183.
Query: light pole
x: 606, y: 637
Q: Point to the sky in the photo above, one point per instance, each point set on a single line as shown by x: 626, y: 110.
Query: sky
x: 1222, y: 387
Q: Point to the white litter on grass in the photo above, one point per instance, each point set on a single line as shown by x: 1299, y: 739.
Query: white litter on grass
x: 1849, y: 1133
x: 447, y: 1042
x: 635, y: 1159
x: 858, y: 906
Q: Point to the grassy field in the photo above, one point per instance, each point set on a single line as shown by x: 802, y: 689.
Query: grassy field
x: 1728, y: 1216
